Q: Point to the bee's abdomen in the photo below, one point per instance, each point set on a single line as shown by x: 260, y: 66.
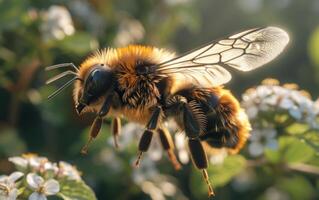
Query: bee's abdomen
x: 227, y: 124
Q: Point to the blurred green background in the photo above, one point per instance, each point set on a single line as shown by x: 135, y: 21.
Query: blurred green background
x: 35, y: 34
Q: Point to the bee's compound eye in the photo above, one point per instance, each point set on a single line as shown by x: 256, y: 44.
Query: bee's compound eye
x: 97, y: 75
x: 98, y: 82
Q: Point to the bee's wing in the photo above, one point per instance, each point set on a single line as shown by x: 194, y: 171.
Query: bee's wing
x: 245, y: 51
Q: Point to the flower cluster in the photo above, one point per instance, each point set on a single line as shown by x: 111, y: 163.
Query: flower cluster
x: 271, y: 104
x: 41, y: 165
x: 57, y: 23
x: 37, y: 177
x: 41, y: 188
x: 8, y: 188
x: 130, y: 31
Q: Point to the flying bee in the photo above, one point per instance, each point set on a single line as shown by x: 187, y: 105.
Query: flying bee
x: 148, y: 85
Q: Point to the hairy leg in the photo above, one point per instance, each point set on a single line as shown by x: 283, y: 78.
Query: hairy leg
x: 147, y: 136
x: 168, y: 146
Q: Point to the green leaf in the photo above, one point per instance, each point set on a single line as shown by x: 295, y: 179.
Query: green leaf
x: 297, y: 128
x: 10, y: 142
x: 297, y: 186
x: 12, y: 13
x: 75, y: 190
x: 272, y: 155
x: 294, y: 150
x: 312, y: 139
x: 314, y: 47
x: 220, y: 175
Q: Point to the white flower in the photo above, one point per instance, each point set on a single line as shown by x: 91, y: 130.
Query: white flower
x: 19, y: 161
x: 270, y: 97
x: 219, y: 157
x: 41, y: 164
x: 86, y: 13
x: 36, y: 163
x: 261, y: 138
x: 133, y: 131
x: 57, y: 23
x: 181, y: 147
x: 214, y: 156
x: 146, y: 171
x: 8, y: 193
x: 41, y: 187
x: 130, y: 31
x: 255, y: 149
x: 69, y: 171
x: 8, y: 190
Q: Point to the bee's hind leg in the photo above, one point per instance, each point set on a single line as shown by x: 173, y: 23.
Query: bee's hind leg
x: 199, y: 159
x: 168, y: 146
x: 194, y: 120
x: 147, y: 136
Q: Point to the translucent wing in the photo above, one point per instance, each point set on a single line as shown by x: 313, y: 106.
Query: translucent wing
x: 245, y: 51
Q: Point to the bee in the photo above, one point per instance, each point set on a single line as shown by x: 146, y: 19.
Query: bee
x: 149, y: 85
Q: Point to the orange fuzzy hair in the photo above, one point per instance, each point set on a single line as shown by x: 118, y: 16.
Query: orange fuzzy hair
x: 123, y: 60
x: 229, y: 109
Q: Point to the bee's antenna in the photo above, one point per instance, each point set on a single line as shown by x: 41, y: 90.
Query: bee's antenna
x: 57, y: 77
x: 61, y: 66
x: 63, y: 87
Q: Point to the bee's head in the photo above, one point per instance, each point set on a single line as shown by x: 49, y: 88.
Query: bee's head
x: 97, y: 83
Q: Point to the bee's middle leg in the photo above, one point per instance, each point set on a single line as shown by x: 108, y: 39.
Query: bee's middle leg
x: 147, y: 136
x: 168, y: 146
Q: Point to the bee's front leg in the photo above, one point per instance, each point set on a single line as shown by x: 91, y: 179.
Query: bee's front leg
x: 147, y: 136
x: 97, y: 123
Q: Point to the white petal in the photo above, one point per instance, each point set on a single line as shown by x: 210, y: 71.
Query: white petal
x: 51, y: 187
x: 255, y: 149
x: 286, y: 103
x: 4, y: 178
x: 272, y: 144
x: 269, y: 133
x: 252, y: 111
x: 48, y: 166
x: 183, y: 156
x: 70, y: 171
x: 36, y: 162
x: 34, y: 180
x: 19, y: 161
x: 13, y: 194
x: 37, y: 196
x: 180, y: 141
x: 15, y: 176
x: 217, y: 159
x: 155, y: 151
x: 295, y: 113
x: 255, y: 135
